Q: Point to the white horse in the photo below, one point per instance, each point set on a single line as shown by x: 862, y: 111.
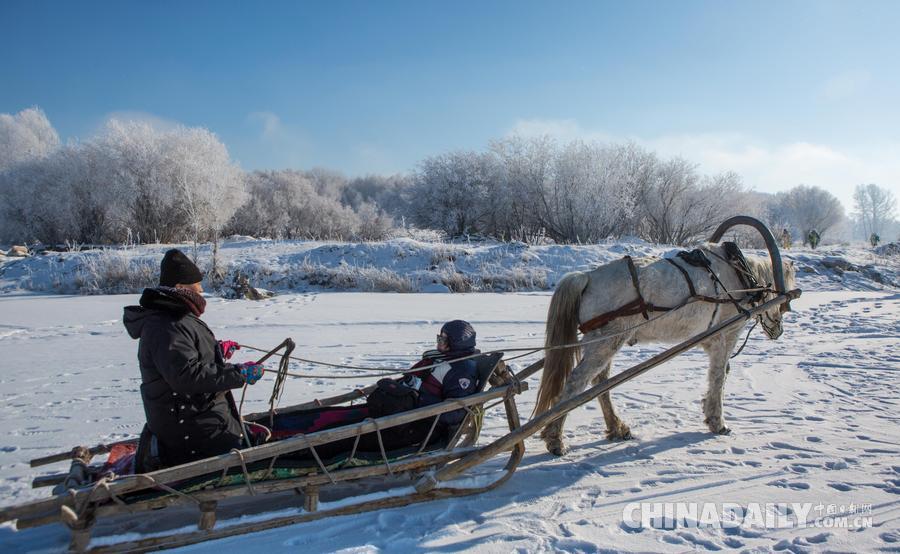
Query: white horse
x: 582, y: 296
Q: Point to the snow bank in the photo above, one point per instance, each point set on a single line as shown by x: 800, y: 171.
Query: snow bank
x: 403, y: 265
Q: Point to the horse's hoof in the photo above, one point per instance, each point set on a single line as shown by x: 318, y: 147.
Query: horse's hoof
x: 724, y: 430
x: 558, y: 449
x: 621, y: 433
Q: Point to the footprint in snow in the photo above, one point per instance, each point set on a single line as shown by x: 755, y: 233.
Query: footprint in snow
x: 698, y: 541
x: 793, y: 485
x: 843, y: 487
x: 631, y: 528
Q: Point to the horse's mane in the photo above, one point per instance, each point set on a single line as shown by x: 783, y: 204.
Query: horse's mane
x: 761, y: 267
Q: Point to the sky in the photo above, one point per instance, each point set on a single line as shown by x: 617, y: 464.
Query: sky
x: 781, y: 92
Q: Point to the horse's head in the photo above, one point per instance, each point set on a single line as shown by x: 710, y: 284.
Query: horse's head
x: 771, y: 318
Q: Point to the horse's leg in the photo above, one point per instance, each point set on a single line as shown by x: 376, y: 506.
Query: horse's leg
x: 595, y: 356
x: 615, y: 428
x: 576, y: 383
x: 719, y: 351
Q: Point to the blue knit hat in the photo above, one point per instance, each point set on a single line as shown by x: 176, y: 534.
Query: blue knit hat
x: 460, y: 334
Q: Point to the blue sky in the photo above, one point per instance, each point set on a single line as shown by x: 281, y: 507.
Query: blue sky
x: 782, y: 92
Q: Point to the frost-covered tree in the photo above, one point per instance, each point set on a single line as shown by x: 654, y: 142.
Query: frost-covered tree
x: 589, y: 195
x: 60, y: 197
x: 172, y: 184
x: 680, y: 206
x: 875, y: 208
x: 25, y: 138
x: 132, y: 181
x: 527, y: 169
x: 450, y: 190
x: 806, y: 208
x: 286, y: 205
x: 387, y: 193
x: 26, y: 135
x: 374, y: 224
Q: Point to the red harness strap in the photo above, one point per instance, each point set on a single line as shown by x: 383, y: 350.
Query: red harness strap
x: 637, y: 306
x: 641, y: 306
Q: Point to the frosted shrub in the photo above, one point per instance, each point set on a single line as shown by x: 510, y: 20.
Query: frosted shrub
x: 455, y: 281
x: 112, y: 272
x: 446, y: 253
x: 500, y: 279
x: 372, y: 279
x: 347, y: 277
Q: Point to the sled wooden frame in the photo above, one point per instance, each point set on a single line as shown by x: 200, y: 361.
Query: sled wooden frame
x: 79, y: 509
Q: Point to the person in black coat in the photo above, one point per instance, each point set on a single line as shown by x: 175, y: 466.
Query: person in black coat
x: 186, y: 382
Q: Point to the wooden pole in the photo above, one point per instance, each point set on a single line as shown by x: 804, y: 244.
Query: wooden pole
x: 450, y: 471
x: 207, y: 515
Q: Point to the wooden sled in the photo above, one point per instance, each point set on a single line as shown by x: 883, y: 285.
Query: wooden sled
x: 268, y: 479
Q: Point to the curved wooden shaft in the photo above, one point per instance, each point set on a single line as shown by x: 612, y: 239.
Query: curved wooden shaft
x: 768, y: 237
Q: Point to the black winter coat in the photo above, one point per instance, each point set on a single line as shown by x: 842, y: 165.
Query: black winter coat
x: 186, y: 382
x: 455, y: 380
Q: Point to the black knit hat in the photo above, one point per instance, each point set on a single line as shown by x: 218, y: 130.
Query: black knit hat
x: 176, y: 268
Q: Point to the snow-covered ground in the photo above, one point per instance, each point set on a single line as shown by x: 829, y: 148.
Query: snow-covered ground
x: 815, y: 419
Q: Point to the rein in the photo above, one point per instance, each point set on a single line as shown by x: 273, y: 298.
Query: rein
x: 526, y: 351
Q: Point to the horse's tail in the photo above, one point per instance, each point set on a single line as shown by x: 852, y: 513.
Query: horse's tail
x: 562, y: 328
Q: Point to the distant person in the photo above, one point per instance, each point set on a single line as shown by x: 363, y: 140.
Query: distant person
x: 874, y: 239
x: 786, y: 241
x: 813, y: 239
x: 186, y: 382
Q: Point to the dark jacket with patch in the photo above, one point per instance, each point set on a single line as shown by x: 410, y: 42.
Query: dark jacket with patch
x: 441, y: 383
x: 186, y: 382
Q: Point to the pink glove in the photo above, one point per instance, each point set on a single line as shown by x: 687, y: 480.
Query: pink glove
x: 229, y: 347
x: 252, y: 372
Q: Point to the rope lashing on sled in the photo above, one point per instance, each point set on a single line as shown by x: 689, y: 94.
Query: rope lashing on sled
x: 527, y: 350
x: 247, y: 480
x: 315, y: 454
x: 280, y: 377
x: 80, y: 515
x: 384, y: 457
x: 428, y: 436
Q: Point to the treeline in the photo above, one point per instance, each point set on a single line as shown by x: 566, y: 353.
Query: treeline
x: 134, y: 182
x: 524, y: 189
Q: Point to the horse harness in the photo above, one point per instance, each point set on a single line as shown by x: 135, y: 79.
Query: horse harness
x: 697, y: 258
